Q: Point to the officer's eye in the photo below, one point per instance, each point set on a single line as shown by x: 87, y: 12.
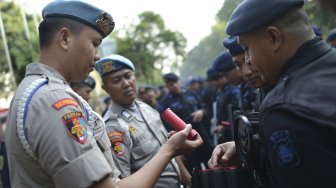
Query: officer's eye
x: 115, y: 80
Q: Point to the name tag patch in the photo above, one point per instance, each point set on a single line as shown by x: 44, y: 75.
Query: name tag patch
x: 75, y: 124
x: 64, y: 102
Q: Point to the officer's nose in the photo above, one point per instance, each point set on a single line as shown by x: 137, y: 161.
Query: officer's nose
x: 97, y: 55
x: 246, y: 70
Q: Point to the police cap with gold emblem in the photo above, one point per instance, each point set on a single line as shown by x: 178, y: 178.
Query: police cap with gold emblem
x: 113, y: 63
x: 85, y: 13
x: 253, y: 14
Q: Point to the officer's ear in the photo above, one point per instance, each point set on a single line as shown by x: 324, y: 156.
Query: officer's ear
x: 274, y: 36
x: 63, y: 38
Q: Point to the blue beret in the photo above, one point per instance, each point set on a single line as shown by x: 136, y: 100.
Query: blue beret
x: 332, y: 35
x: 113, y: 63
x: 199, y: 79
x: 82, y: 12
x: 89, y: 81
x: 223, y: 63
x: 193, y: 81
x: 232, y: 45
x: 212, y: 74
x: 253, y: 14
x: 170, y: 77
x: 317, y: 31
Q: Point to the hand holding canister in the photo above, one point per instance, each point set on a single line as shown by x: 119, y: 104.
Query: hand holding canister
x: 177, y: 123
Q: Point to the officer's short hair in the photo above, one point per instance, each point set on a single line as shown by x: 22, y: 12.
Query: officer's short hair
x: 48, y: 27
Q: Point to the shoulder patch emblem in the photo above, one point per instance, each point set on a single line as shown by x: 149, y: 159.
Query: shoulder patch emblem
x: 119, y: 148
x: 282, y: 143
x: 64, y: 102
x: 75, y: 124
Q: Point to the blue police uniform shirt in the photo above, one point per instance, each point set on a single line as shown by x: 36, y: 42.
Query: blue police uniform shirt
x: 227, y: 95
x: 298, y: 119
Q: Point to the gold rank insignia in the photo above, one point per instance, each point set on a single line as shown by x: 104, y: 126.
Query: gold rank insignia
x: 106, y: 24
x: 132, y: 129
x: 107, y: 67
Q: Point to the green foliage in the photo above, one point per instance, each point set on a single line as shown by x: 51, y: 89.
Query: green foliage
x: 225, y: 12
x: 324, y: 19
x: 22, y: 50
x: 202, y: 56
x: 151, y: 46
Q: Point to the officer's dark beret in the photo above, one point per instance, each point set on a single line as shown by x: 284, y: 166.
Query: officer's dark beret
x: 192, y: 81
x: 200, y: 79
x: 170, y: 77
x: 253, y: 14
x: 85, y: 13
x: 223, y: 63
x: 113, y: 63
x: 332, y: 35
x: 146, y: 88
x: 317, y: 31
x: 212, y: 74
x: 89, y: 81
x: 232, y: 45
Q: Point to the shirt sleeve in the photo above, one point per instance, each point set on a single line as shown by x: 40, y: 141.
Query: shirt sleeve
x: 300, y: 146
x: 63, y: 142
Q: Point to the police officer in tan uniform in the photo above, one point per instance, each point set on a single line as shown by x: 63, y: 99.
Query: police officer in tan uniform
x: 54, y: 139
x: 134, y: 128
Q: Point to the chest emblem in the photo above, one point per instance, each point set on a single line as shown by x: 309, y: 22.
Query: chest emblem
x: 132, y: 129
x: 75, y: 124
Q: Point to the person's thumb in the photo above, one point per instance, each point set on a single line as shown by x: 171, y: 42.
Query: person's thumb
x: 186, y: 131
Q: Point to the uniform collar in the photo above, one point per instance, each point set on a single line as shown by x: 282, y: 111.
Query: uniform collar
x: 45, y: 70
x: 306, y: 54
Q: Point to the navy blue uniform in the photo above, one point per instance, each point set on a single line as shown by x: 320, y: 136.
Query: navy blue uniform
x: 298, y: 119
x: 229, y: 95
x: 184, y: 105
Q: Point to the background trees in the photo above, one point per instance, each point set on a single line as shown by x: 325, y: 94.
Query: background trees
x: 147, y: 42
x: 151, y: 46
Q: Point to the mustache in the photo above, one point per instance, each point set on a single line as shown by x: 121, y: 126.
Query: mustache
x: 128, y: 92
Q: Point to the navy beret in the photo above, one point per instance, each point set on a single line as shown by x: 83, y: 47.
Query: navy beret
x: 253, y: 14
x: 89, y: 81
x: 200, y: 79
x: 232, y: 45
x: 193, y: 81
x: 85, y: 13
x: 146, y: 88
x: 212, y: 74
x: 332, y: 35
x: 170, y: 77
x: 223, y: 63
x: 113, y: 63
x: 317, y: 31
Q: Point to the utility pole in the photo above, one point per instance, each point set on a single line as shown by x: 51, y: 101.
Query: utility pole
x: 9, y: 61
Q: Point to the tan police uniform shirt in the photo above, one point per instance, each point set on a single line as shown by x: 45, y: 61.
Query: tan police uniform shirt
x: 67, y: 138
x: 136, y: 136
